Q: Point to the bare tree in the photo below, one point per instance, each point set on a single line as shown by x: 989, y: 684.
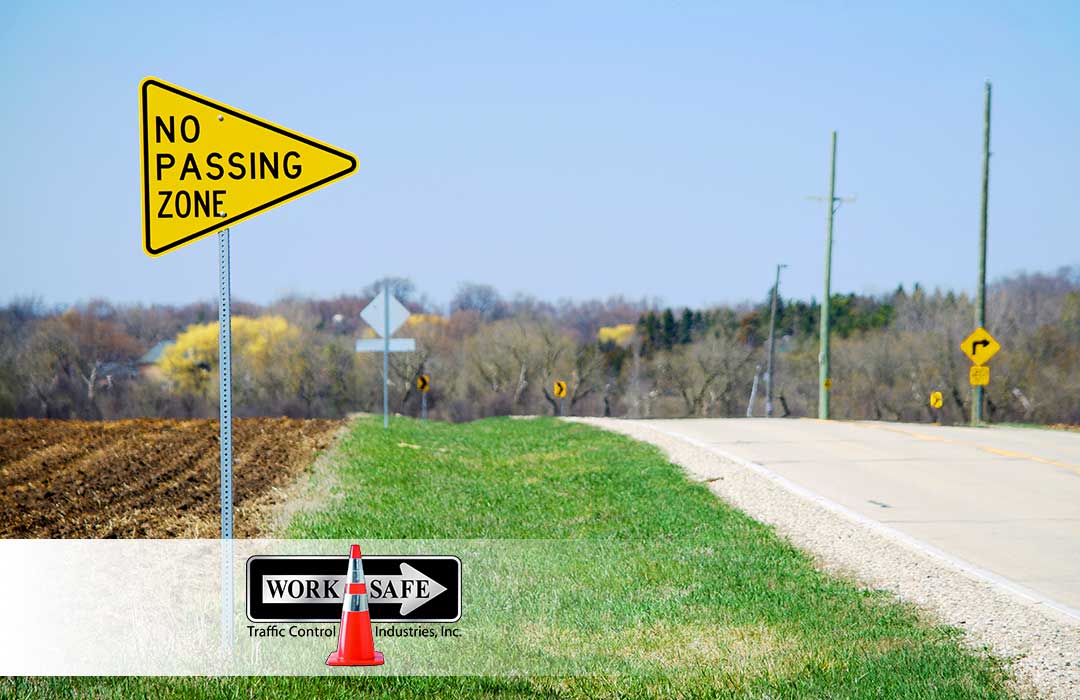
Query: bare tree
x: 704, y: 372
x: 481, y: 298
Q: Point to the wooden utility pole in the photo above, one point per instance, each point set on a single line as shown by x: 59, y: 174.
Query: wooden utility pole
x: 824, y: 382
x: 980, y: 295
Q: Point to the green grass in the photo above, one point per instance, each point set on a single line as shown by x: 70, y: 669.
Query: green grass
x: 663, y: 590
x: 1057, y: 427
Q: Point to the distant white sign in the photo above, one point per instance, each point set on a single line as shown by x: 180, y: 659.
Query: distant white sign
x: 385, y: 314
x: 374, y: 314
x: 379, y: 345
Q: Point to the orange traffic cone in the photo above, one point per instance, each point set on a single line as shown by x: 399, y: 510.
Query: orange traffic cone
x: 355, y: 645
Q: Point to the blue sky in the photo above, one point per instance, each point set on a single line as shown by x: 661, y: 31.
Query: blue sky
x: 558, y: 149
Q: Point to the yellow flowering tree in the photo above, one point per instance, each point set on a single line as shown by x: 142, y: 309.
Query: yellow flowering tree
x: 620, y: 335
x: 265, y: 358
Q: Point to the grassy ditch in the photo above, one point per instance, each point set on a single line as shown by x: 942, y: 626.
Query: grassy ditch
x: 707, y: 602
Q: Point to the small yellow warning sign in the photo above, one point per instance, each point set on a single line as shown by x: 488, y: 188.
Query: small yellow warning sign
x: 979, y: 375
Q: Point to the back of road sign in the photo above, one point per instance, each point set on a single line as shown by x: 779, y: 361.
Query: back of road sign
x: 206, y: 166
x: 375, y: 314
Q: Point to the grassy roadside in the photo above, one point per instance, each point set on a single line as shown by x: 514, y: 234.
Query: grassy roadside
x: 1042, y: 426
x: 730, y: 610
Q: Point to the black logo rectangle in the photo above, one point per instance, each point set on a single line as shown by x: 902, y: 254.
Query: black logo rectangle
x: 310, y: 588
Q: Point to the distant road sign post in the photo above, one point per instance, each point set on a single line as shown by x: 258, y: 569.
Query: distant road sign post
x: 385, y: 314
x: 423, y: 385
x: 980, y: 347
x: 560, y: 393
x: 936, y: 400
x: 206, y: 166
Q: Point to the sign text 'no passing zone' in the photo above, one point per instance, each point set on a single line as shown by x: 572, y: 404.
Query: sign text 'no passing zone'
x: 206, y: 165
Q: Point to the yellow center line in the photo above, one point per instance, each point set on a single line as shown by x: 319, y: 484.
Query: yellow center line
x: 984, y: 448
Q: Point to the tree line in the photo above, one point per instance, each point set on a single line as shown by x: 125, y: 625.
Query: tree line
x: 490, y: 355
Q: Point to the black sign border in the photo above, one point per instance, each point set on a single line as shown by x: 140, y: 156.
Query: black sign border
x: 224, y: 223
x: 247, y: 587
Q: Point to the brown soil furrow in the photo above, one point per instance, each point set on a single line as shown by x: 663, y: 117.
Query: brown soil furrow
x: 145, y: 477
x: 33, y: 452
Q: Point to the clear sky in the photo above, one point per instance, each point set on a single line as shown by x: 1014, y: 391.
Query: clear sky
x: 565, y: 149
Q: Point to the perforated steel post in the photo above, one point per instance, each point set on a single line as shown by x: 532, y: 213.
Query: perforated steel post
x: 225, y: 427
x: 225, y: 375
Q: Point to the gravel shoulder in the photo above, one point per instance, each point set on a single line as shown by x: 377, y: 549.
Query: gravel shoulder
x: 1042, y: 644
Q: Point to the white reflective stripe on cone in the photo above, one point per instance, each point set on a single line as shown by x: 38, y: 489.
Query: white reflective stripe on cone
x: 356, y: 571
x: 357, y: 602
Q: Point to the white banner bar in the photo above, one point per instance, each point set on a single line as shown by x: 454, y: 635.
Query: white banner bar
x: 376, y: 345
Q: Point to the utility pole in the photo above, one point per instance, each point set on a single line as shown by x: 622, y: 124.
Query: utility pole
x: 772, y: 344
x: 980, y: 299
x: 824, y: 381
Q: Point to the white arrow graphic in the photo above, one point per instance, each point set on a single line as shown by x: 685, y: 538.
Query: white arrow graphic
x: 412, y: 588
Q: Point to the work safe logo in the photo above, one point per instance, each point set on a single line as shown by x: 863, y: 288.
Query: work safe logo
x: 311, y: 588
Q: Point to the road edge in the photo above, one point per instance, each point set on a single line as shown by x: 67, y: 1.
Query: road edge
x: 1040, y: 644
x: 1071, y: 615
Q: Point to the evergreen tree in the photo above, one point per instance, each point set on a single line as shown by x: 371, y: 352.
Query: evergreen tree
x: 686, y: 327
x: 649, y: 330
x: 670, y: 330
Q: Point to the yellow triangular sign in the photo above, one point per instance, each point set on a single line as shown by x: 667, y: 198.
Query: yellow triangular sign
x: 206, y: 166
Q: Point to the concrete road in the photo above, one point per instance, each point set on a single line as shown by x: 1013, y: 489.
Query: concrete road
x: 1003, y: 499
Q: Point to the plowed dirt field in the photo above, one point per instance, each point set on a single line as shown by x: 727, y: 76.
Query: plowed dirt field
x: 145, y: 477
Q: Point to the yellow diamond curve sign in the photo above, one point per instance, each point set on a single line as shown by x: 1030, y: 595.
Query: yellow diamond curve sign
x: 980, y: 346
x: 206, y: 166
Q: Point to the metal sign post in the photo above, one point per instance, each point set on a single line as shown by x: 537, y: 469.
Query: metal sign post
x: 386, y: 359
x: 179, y: 131
x: 385, y: 314
x: 423, y: 385
x: 225, y: 434
x: 225, y: 375
x: 559, y: 388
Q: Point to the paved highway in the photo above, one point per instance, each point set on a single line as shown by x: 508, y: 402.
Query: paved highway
x: 1006, y: 500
